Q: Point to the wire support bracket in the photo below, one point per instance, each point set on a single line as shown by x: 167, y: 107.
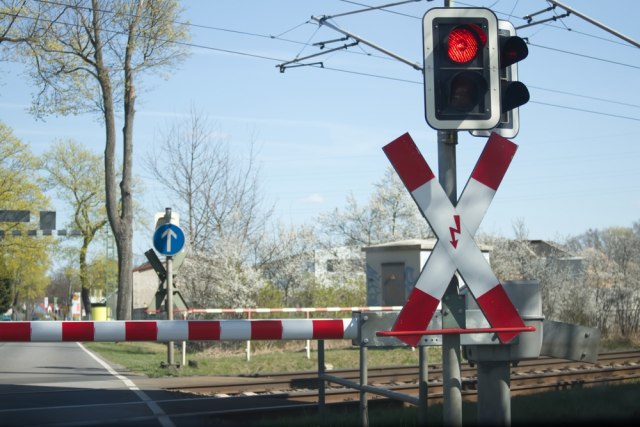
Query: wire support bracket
x: 296, y: 62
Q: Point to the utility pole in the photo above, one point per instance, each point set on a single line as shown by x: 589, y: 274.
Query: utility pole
x: 451, y: 303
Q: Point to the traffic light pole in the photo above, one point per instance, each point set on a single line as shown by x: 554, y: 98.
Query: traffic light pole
x: 452, y: 303
x: 451, y: 377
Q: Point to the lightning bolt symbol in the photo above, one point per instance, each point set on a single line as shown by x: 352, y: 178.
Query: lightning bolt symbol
x: 454, y: 231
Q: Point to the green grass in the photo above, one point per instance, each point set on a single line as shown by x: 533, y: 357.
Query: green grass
x: 146, y: 358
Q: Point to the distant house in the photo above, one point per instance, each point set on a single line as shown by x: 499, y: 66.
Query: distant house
x: 337, y: 262
x: 555, y: 256
x: 145, y: 285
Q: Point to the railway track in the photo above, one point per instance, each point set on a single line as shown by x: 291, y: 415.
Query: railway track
x: 527, y: 377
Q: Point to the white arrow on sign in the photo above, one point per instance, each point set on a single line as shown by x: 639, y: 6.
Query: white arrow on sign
x: 457, y: 224
x: 169, y: 234
x: 168, y: 239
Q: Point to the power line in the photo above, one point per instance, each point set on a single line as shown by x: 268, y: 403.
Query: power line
x: 551, y: 25
x: 384, y: 10
x: 583, y: 55
x: 372, y: 75
x: 307, y: 44
x: 584, y: 96
x: 584, y: 110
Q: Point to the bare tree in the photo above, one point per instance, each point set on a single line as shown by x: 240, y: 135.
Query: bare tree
x: 390, y: 215
x: 220, y: 193
x: 225, y: 213
x: 87, y: 56
x: 287, y: 261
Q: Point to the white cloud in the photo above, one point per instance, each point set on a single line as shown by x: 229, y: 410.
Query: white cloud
x: 314, y: 198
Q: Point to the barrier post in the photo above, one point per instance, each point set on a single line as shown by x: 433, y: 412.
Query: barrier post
x: 423, y: 388
x: 321, y: 380
x: 364, y: 380
x: 249, y: 341
x: 308, y: 346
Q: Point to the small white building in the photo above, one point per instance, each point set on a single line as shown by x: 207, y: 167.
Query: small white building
x: 392, y: 269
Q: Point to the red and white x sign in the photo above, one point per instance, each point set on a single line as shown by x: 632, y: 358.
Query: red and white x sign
x: 454, y: 226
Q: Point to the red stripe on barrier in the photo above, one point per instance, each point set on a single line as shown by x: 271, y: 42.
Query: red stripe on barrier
x: 408, y: 162
x: 416, y: 315
x: 494, y: 161
x: 500, y: 312
x: 77, y: 331
x: 15, y: 331
x: 204, y: 330
x: 141, y: 331
x: 327, y: 329
x: 266, y: 330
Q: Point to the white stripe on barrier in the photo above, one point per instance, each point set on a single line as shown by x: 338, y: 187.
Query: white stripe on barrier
x: 109, y: 331
x: 235, y: 330
x: 176, y: 330
x: 350, y: 327
x: 297, y: 329
x: 46, y: 331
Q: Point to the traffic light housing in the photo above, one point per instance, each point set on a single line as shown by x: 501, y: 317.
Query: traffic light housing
x: 513, y: 93
x: 461, y: 78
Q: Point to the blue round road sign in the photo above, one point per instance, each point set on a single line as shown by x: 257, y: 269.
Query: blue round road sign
x: 168, y: 239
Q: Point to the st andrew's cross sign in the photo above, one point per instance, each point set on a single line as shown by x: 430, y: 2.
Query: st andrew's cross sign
x: 454, y: 226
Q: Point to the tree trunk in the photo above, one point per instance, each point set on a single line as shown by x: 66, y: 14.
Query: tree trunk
x: 119, y: 214
x: 125, y: 244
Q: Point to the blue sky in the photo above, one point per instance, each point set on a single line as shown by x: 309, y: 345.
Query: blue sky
x: 320, y: 131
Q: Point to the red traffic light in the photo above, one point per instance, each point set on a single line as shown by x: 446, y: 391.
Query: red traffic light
x: 465, y: 42
x: 462, y: 83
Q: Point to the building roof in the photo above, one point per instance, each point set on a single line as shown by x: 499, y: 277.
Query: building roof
x: 412, y: 244
x: 143, y: 267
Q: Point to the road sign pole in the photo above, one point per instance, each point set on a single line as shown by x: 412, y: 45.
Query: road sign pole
x: 452, y: 391
x: 170, y: 355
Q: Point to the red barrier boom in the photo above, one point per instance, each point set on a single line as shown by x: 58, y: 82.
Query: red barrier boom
x: 179, y: 330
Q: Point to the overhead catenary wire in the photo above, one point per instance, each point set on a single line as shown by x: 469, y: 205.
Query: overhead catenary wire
x: 583, y: 55
x: 392, y: 78
x: 362, y: 73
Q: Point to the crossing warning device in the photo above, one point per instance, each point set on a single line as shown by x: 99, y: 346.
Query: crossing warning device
x: 454, y: 227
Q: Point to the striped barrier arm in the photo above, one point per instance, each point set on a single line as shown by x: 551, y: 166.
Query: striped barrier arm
x: 179, y: 330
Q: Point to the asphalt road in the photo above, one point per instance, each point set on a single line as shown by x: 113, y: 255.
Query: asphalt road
x: 64, y: 384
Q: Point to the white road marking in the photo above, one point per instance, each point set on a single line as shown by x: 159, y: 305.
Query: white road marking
x: 163, y: 418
